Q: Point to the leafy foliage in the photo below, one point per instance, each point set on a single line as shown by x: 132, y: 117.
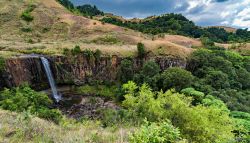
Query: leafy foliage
x: 2, y: 63
x: 141, y: 50
x: 126, y: 70
x: 26, y: 15
x: 196, y: 123
x: 223, y: 74
x: 67, y: 3
x: 24, y: 98
x: 150, y: 74
x: 76, y: 50
x: 178, y: 24
x: 162, y: 132
x: 197, y: 95
x: 84, y: 10
x: 89, y: 10
x: 176, y: 78
x: 242, y: 121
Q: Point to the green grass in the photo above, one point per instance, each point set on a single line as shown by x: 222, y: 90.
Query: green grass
x: 99, y: 90
x: 24, y: 128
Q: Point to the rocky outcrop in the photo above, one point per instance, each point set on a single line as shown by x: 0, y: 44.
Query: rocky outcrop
x: 24, y: 70
x: 68, y: 70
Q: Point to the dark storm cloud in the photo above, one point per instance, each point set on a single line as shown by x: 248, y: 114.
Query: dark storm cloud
x: 137, y: 8
x: 202, y: 12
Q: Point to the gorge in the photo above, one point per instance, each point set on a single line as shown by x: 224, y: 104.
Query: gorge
x: 72, y: 71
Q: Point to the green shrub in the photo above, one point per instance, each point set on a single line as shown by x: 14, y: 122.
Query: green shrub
x: 242, y: 130
x: 23, y: 98
x: 141, y: 50
x: 217, y: 79
x: 66, y: 51
x: 76, y: 50
x: 26, y: 15
x: 126, y: 70
x: 197, y: 95
x: 162, y: 132
x: 149, y: 74
x: 98, y: 90
x: 196, y: 123
x: 2, y: 63
x: 97, y: 55
x: 206, y: 41
x: 26, y: 29
x: 177, y: 78
x: 50, y: 114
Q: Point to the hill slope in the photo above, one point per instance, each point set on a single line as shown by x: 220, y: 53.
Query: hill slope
x: 53, y: 28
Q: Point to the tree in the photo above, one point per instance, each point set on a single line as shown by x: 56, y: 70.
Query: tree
x: 177, y: 78
x: 149, y: 74
x: 243, y: 78
x: 217, y: 79
x: 89, y: 10
x: 126, y: 70
x: 206, y: 41
x: 141, y: 50
x: 67, y: 3
x: 2, y: 63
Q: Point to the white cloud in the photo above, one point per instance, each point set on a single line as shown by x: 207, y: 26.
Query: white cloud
x: 234, y: 13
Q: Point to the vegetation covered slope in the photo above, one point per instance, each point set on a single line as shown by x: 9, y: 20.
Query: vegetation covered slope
x: 45, y: 26
x: 25, y: 128
x: 178, y: 24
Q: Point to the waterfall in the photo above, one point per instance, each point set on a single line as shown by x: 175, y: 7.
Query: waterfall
x: 46, y: 66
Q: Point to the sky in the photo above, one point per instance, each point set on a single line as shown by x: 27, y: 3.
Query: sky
x: 233, y: 13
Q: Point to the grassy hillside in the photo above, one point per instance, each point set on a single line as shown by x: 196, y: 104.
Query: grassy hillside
x: 25, y: 128
x: 52, y: 28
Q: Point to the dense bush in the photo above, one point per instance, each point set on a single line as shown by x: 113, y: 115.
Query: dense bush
x: 23, y: 98
x: 26, y: 15
x: 76, y: 50
x: 206, y: 41
x: 178, y: 24
x: 223, y: 74
x: 89, y: 10
x: 2, y: 63
x: 177, y: 78
x: 196, y: 95
x: 126, y: 70
x: 196, y: 123
x: 141, y: 50
x: 150, y: 74
x: 67, y: 3
x: 162, y: 132
x: 242, y: 121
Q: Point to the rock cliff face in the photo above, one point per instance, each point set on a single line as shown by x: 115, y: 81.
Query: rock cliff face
x: 78, y: 70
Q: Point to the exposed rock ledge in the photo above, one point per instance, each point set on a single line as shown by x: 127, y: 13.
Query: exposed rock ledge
x: 78, y: 70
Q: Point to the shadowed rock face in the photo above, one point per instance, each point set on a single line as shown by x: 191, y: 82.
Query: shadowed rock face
x: 78, y: 70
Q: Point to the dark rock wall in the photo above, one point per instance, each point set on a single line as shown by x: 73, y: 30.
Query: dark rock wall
x: 78, y: 70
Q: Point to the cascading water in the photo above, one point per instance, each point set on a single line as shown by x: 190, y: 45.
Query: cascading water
x: 46, y: 66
